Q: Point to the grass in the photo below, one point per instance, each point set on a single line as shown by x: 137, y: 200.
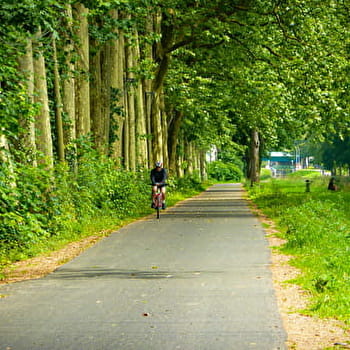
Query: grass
x: 316, y: 225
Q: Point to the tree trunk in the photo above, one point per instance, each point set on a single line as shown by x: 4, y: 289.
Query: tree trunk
x: 173, y: 138
x: 141, y: 130
x: 254, y: 159
x: 68, y: 93
x: 126, y: 135
x: 82, y: 94
x: 187, y: 158
x: 156, y: 128
x: 190, y: 158
x: 148, y: 108
x: 117, y: 86
x: 100, y: 88
x: 6, y: 158
x: 203, y: 168
x: 165, y: 154
x: 58, y: 105
x: 27, y: 137
x: 95, y: 96
x: 42, y: 122
x: 162, y: 57
x: 4, y: 149
x: 130, y: 82
x: 106, y: 96
x: 141, y: 140
x: 180, y: 155
x: 148, y: 92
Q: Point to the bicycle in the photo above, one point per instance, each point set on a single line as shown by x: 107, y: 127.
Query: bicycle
x: 157, y: 200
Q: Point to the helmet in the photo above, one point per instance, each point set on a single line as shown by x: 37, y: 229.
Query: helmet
x: 159, y: 164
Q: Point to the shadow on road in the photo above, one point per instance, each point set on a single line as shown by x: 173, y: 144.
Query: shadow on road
x: 209, y: 214
x: 212, y: 204
x: 207, y: 207
x: 98, y: 272
x: 217, y: 202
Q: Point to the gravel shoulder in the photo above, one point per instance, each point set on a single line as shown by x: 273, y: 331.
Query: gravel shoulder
x: 304, y: 332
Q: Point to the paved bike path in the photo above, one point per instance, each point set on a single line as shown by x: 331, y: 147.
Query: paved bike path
x: 197, y: 279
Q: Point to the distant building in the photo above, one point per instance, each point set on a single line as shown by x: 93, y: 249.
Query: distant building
x: 280, y: 163
x: 212, y: 155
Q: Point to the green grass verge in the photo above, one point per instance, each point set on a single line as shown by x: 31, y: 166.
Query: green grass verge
x: 316, y: 225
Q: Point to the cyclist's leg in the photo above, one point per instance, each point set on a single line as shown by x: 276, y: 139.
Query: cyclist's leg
x: 154, y: 191
x: 163, y: 196
x: 162, y: 189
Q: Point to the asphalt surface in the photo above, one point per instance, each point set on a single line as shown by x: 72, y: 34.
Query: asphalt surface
x: 197, y: 279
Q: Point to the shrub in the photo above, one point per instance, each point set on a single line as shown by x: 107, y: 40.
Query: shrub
x: 37, y: 203
x: 24, y: 213
x: 188, y: 183
x: 221, y: 171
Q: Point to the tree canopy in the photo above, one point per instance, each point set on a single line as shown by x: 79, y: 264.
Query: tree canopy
x: 217, y: 69
x: 93, y: 92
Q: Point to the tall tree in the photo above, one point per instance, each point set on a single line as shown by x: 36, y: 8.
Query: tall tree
x: 117, y: 89
x: 106, y: 62
x: 42, y: 122
x: 68, y: 86
x: 130, y: 96
x: 58, y: 104
x: 141, y: 119
x: 27, y: 123
x: 96, y: 94
x: 82, y: 89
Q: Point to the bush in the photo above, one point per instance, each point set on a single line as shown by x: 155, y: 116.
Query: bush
x: 188, y: 183
x: 221, y: 171
x: 37, y: 203
x: 24, y: 213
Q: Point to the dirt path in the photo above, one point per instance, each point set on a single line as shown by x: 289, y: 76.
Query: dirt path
x: 42, y: 265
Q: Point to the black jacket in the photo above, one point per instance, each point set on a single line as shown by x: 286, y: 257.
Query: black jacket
x: 158, y: 176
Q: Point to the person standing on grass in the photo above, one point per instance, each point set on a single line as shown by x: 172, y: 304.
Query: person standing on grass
x: 158, y: 178
x: 332, y: 186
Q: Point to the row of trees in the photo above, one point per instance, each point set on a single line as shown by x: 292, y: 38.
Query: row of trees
x: 145, y: 80
x: 92, y: 92
x: 333, y: 154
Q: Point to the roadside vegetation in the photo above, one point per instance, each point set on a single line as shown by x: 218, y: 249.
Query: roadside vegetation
x: 49, y: 208
x: 92, y: 93
x: 225, y: 171
x: 316, y: 226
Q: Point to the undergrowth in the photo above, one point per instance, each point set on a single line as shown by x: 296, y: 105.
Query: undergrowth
x: 44, y: 209
x: 316, y: 225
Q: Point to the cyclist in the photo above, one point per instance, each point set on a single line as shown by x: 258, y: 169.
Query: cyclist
x: 158, y: 177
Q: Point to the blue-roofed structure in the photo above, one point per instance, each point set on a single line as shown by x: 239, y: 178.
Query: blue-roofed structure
x: 281, y: 163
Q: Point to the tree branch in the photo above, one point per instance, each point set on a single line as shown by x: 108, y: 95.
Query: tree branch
x: 286, y: 35
x: 272, y: 51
